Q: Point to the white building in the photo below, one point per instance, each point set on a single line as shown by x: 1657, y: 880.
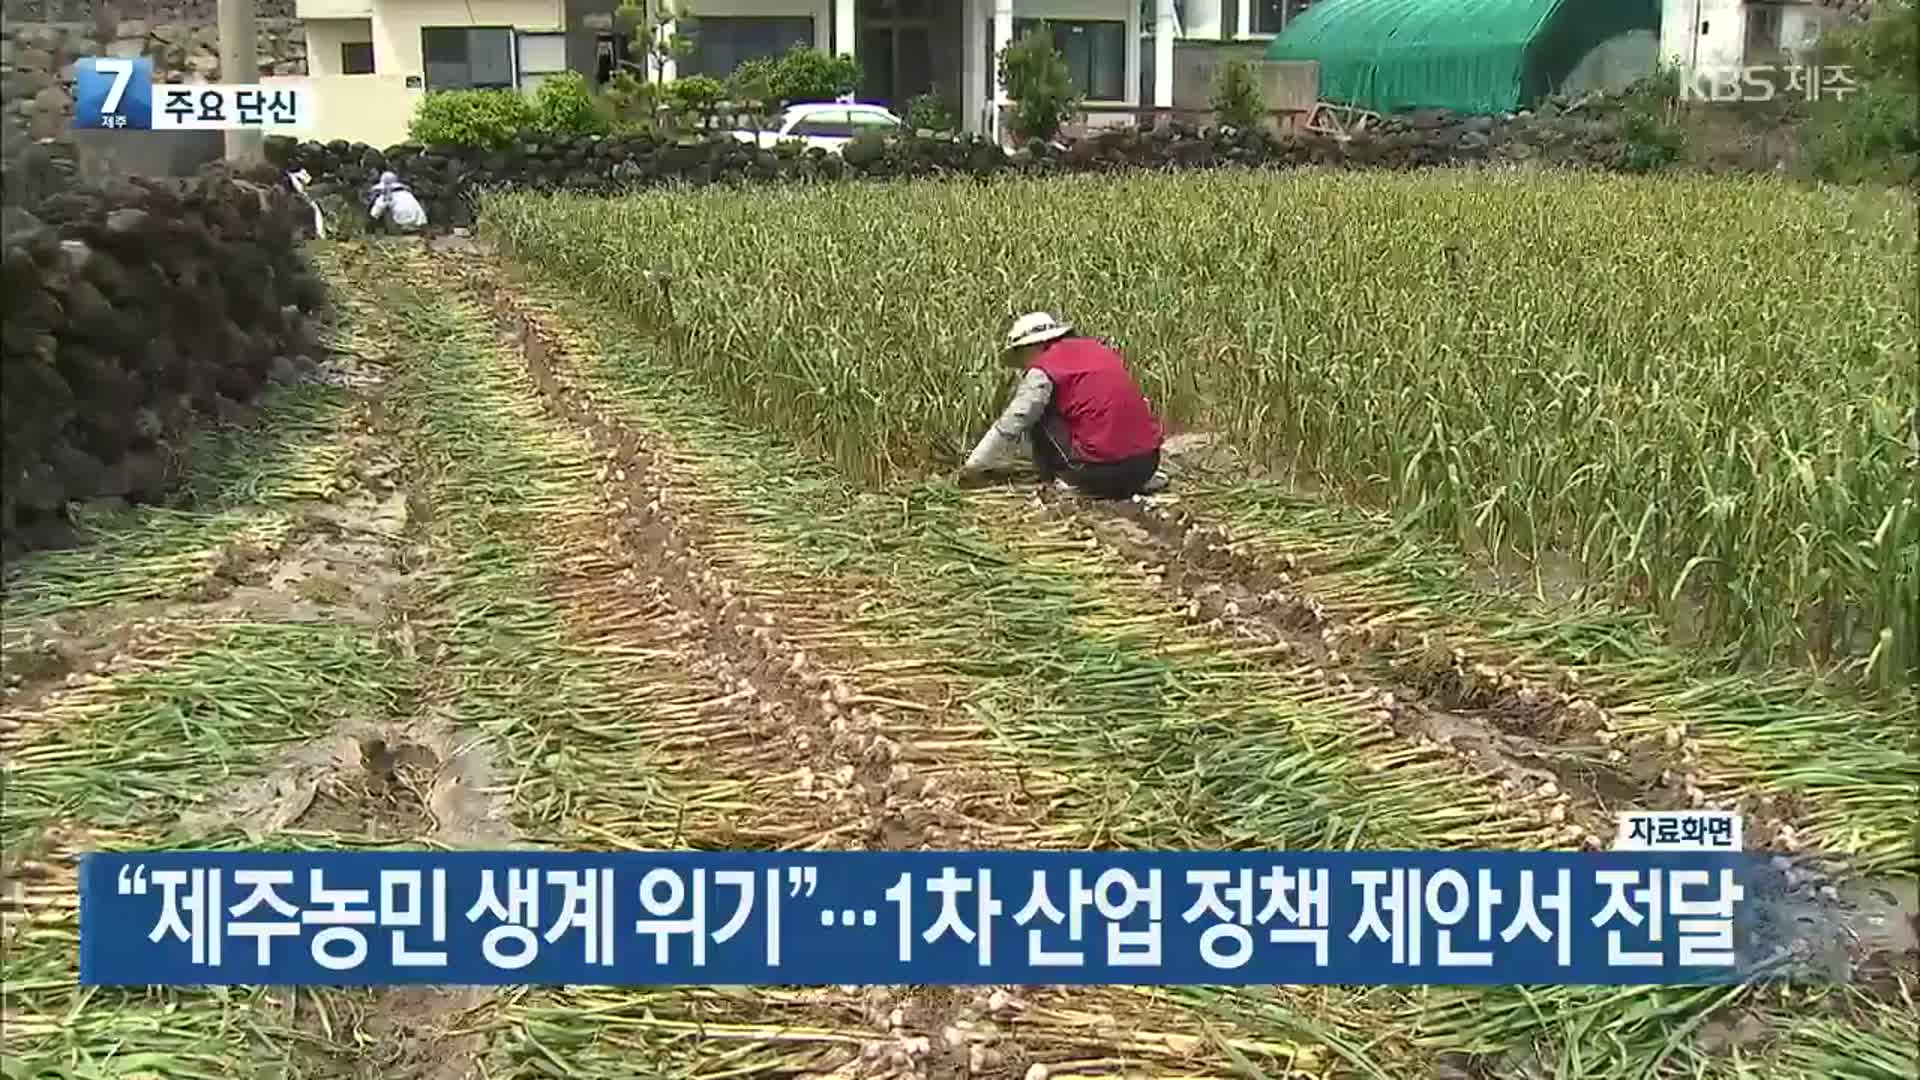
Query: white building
x: 370, y: 60
x: 1732, y: 33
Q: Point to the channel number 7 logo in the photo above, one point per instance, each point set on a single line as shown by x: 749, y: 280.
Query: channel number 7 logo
x: 113, y: 93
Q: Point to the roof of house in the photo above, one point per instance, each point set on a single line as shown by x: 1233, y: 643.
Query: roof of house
x: 1476, y: 56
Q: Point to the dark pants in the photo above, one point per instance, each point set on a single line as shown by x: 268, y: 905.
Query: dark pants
x: 1053, y: 457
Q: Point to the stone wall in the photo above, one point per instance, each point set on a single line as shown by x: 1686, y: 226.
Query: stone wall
x: 37, y: 55
x: 194, y: 12
x: 1585, y: 135
x: 136, y: 311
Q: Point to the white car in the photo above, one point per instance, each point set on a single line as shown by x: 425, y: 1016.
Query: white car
x: 829, y: 125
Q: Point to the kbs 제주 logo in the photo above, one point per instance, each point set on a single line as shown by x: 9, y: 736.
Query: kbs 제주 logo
x: 114, y: 93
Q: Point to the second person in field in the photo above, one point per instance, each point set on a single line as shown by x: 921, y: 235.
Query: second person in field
x: 1079, y: 409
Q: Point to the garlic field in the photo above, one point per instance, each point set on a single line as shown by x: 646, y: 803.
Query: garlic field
x: 1502, y: 503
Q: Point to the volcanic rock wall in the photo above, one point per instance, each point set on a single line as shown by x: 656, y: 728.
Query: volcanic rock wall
x: 135, y: 311
x: 1590, y: 134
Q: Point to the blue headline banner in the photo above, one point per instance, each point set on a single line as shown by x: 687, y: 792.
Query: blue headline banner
x: 746, y: 918
x: 113, y: 93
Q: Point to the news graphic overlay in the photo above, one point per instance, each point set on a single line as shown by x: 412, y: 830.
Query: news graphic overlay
x: 276, y: 107
x: 113, y: 93
x: 1679, y: 830
x: 1767, y: 82
x: 886, y: 918
x: 117, y: 94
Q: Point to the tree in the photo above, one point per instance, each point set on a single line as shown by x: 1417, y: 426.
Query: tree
x: 1874, y: 131
x: 657, y: 30
x: 1237, y: 100
x: 799, y: 74
x: 1040, y: 83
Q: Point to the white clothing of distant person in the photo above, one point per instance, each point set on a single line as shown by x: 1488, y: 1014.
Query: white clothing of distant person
x: 393, y: 201
x: 300, y: 180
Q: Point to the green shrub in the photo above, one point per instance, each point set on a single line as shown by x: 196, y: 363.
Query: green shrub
x: 631, y: 100
x: 1654, y: 140
x: 1040, y: 83
x: 484, y: 118
x: 752, y: 82
x: 803, y: 74
x: 1237, y: 100
x: 864, y: 149
x: 696, y: 94
x: 564, y: 106
x: 930, y: 113
x: 1874, y: 132
x: 770, y: 83
x: 1872, y: 135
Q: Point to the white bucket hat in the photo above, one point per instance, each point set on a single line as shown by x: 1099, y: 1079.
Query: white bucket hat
x: 1035, y: 328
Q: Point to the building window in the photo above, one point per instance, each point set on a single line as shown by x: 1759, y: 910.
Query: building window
x: 541, y: 56
x: 721, y: 45
x: 356, y: 58
x: 468, y: 57
x: 1273, y: 16
x: 1763, y: 33
x: 1096, y: 54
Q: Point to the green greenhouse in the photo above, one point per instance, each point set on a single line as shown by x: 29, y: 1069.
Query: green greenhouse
x: 1472, y: 56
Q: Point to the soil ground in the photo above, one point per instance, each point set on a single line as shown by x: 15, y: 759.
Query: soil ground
x: 496, y: 580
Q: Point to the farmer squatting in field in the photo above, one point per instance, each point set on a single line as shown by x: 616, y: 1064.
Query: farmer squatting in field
x: 394, y: 207
x: 1087, y: 423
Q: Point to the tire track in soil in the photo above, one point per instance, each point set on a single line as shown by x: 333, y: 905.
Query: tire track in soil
x: 865, y: 770
x: 411, y: 776
x: 263, y: 574
x: 346, y: 560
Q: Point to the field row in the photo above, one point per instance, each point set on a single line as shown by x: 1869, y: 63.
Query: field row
x: 603, y: 611
x: 1706, y: 414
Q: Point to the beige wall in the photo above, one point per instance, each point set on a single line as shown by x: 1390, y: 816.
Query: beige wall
x: 1289, y: 84
x: 332, y: 9
x: 1723, y: 44
x: 1194, y: 65
x: 324, y: 38
x: 373, y: 109
x: 397, y: 25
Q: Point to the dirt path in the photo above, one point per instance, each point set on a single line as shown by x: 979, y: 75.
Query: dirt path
x: 796, y: 734
x: 326, y: 556
x: 841, y: 741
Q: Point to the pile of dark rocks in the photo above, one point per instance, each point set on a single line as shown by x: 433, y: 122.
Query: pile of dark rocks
x: 445, y: 178
x: 135, y: 312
